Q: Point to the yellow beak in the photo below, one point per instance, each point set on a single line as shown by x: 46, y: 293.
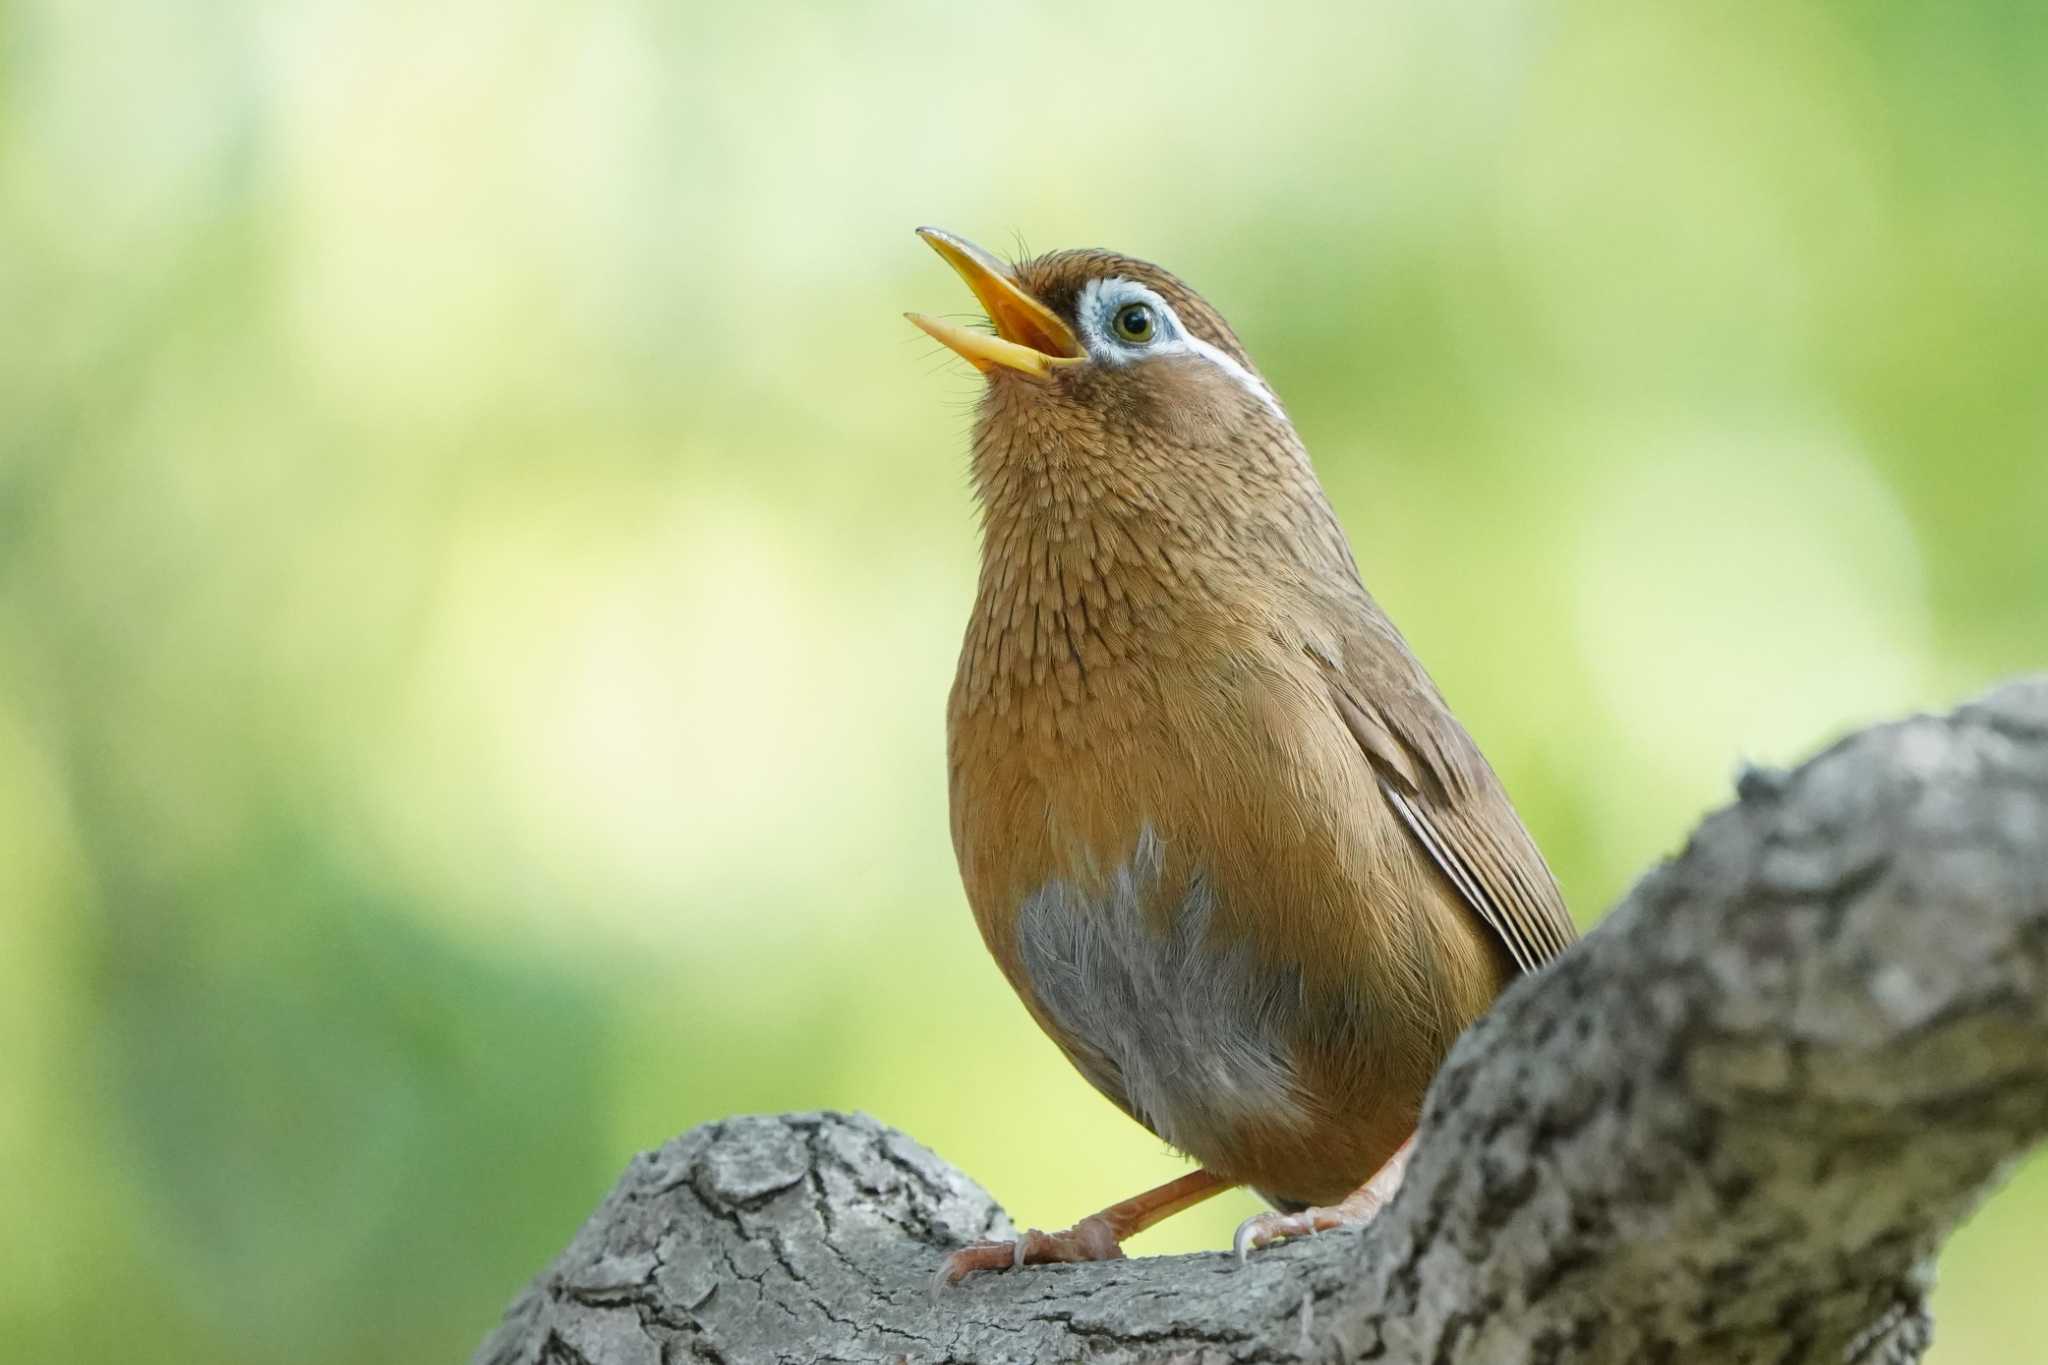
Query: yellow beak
x: 1030, y: 338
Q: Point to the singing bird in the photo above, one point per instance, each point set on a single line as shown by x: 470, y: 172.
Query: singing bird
x: 1216, y: 824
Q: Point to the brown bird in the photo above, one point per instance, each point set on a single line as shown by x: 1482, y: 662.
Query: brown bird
x: 1217, y: 826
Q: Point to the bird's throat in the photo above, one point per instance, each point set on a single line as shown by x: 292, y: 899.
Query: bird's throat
x: 1110, y: 561
x: 1070, y: 602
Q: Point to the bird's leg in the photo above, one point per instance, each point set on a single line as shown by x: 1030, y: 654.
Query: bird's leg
x: 1356, y: 1209
x: 1098, y: 1237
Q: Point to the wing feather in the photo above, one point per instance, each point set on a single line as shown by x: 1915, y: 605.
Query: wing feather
x: 1450, y: 801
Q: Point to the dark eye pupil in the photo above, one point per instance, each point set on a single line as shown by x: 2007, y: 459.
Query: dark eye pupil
x: 1135, y: 322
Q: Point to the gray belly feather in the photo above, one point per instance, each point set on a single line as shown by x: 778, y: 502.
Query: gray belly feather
x: 1191, y: 1040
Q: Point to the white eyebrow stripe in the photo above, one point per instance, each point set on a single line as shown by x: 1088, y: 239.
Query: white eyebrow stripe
x: 1089, y: 311
x: 1216, y: 355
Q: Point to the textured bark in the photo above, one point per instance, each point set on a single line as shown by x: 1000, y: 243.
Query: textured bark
x: 1732, y: 1125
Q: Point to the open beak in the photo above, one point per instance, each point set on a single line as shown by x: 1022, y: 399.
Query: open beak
x: 1030, y: 338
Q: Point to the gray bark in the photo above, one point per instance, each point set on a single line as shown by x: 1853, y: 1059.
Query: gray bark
x: 1734, y: 1124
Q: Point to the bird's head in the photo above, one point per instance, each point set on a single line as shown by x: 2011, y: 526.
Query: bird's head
x: 1100, y: 361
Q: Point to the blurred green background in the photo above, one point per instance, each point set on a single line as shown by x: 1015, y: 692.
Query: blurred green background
x: 482, y: 555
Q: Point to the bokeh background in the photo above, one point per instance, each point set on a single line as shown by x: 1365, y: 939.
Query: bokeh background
x: 482, y: 555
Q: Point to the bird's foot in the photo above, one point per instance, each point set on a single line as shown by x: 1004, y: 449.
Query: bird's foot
x: 1355, y: 1210
x: 1091, y: 1239
x: 1263, y: 1229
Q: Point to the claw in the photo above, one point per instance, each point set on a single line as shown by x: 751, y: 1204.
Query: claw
x: 1242, y: 1242
x: 958, y: 1265
x: 1263, y: 1229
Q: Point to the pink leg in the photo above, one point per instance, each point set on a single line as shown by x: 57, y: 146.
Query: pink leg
x: 1356, y: 1209
x: 1098, y: 1237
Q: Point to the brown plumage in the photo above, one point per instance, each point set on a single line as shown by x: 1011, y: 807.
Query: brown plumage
x: 1216, y: 824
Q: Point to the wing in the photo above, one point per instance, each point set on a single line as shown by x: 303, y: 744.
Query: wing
x: 1437, y: 781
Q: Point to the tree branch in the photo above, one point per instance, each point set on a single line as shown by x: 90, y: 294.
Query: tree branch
x: 1733, y: 1125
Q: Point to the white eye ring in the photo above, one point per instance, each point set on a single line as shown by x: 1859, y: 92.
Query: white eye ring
x: 1101, y: 307
x: 1105, y: 308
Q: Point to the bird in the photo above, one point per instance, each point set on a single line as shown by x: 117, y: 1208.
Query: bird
x: 1218, y: 828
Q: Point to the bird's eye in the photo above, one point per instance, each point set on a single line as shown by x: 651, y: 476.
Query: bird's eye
x: 1134, y: 322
